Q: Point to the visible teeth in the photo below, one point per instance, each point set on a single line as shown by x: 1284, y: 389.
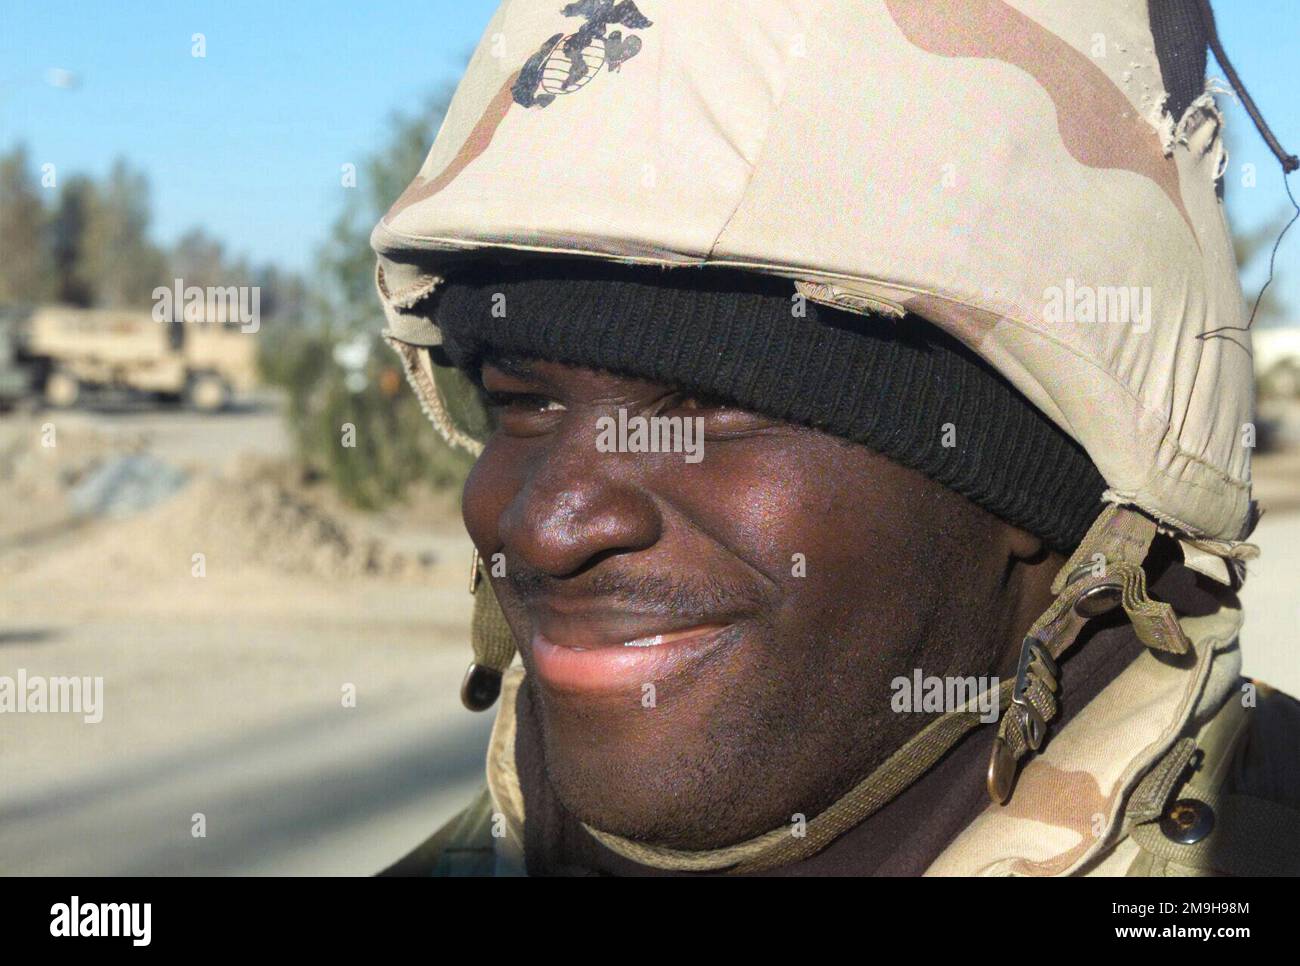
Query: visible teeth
x: 645, y: 641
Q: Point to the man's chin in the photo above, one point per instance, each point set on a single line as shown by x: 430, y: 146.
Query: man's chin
x: 659, y: 770
x: 644, y: 812
x: 672, y: 795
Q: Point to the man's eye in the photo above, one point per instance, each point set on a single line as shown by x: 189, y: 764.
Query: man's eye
x: 719, y: 418
x: 703, y: 405
x: 696, y: 401
x: 522, y: 413
x: 522, y: 402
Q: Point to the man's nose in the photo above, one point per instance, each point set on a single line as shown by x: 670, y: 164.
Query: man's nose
x: 576, y: 507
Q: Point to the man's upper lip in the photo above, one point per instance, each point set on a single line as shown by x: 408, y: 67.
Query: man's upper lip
x: 604, y: 625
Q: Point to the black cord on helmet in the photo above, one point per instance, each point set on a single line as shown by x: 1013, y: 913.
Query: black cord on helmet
x: 1289, y: 162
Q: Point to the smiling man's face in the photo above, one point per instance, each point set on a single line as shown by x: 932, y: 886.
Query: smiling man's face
x: 711, y: 644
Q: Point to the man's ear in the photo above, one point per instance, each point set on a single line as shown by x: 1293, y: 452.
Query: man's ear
x: 1023, y: 545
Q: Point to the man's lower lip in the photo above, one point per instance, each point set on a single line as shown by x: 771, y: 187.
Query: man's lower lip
x: 618, y: 667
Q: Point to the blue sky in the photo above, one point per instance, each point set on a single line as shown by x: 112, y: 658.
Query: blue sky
x: 247, y: 142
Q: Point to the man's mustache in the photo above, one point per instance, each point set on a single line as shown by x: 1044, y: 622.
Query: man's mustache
x: 702, y: 594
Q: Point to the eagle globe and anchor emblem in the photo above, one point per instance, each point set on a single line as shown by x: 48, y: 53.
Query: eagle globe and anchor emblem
x: 567, y: 62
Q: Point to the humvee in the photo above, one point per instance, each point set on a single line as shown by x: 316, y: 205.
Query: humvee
x: 71, y: 350
x: 16, y: 376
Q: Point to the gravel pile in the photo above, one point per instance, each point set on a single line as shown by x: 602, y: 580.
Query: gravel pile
x: 255, y: 517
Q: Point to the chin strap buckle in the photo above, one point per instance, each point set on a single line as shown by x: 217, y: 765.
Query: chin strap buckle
x: 1104, y: 573
x: 1024, y: 726
x: 493, y: 641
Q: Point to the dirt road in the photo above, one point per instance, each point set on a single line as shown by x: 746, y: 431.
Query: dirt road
x: 224, y: 694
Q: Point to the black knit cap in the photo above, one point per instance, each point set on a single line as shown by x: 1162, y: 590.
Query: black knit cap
x: 888, y: 384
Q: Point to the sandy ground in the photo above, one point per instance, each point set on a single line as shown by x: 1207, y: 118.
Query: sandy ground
x: 1270, y: 639
x: 224, y: 693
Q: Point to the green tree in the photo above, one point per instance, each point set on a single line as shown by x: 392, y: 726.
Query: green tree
x: 393, y: 446
x: 121, y: 264
x: 284, y: 296
x: 345, y: 262
x: 24, y: 272
x: 67, y: 242
x: 199, y: 259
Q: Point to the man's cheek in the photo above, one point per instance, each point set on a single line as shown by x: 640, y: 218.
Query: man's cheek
x: 488, y: 490
x: 751, y: 509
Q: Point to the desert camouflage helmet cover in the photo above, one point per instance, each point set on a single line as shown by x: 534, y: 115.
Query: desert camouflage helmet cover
x: 1005, y: 170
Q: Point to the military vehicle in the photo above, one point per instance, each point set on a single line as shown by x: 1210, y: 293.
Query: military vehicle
x: 16, y: 376
x: 69, y: 352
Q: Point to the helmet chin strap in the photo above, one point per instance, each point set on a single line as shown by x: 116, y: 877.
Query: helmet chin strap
x: 1105, y: 572
x: 782, y: 846
x: 493, y: 642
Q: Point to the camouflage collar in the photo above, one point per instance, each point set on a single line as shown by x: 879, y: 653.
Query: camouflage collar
x: 1073, y: 801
